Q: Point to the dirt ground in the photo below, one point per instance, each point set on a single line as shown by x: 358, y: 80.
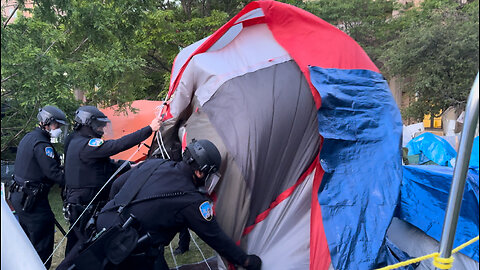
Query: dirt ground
x: 60, y: 252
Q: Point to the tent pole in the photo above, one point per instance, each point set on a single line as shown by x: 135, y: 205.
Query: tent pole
x: 460, y: 173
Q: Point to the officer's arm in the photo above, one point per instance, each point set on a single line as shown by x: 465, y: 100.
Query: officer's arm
x: 112, y: 147
x: 211, y: 233
x: 49, y: 163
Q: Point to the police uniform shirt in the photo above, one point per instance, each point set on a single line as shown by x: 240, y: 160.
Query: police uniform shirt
x: 88, y: 164
x: 164, y: 217
x: 98, y: 148
x: 41, y: 164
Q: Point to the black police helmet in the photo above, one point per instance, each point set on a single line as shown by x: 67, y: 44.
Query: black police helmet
x: 92, y: 117
x: 203, y: 155
x: 49, y: 114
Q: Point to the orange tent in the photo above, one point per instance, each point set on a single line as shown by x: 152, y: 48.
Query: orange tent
x: 126, y: 123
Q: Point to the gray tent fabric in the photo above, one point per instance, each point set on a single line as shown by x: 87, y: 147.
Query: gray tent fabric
x: 416, y: 243
x: 268, y: 239
x: 267, y: 120
x: 232, y: 185
x: 265, y: 126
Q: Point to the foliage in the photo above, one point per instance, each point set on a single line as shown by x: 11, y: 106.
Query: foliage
x: 113, y: 51
x: 436, y: 51
x: 117, y: 51
x: 32, y: 76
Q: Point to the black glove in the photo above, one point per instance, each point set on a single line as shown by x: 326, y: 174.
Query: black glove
x: 253, y: 262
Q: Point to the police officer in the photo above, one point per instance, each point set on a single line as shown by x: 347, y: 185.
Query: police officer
x: 88, y: 165
x: 158, y: 198
x: 37, y: 168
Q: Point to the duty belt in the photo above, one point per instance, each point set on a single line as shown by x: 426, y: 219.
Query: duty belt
x: 32, y: 192
x: 18, y: 183
x: 16, y: 187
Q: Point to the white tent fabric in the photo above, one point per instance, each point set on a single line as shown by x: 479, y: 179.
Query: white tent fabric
x: 17, y: 250
x: 207, y: 71
x: 292, y: 238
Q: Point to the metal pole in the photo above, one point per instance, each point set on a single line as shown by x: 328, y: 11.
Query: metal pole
x: 460, y: 173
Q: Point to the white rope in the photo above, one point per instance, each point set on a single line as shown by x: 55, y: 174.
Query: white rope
x: 160, y: 143
x: 159, y: 134
x: 159, y: 146
x: 173, y: 256
x: 106, y: 183
x: 199, y: 249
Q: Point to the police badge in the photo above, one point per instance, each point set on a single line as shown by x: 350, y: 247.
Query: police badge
x: 95, y: 142
x: 49, y: 152
x: 206, y: 210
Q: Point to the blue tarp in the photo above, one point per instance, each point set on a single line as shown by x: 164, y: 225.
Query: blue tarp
x: 424, y: 196
x: 433, y: 147
x: 361, y: 126
x: 474, y: 156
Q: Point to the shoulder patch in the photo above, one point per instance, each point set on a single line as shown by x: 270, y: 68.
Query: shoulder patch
x: 49, y: 152
x: 206, y: 210
x: 95, y: 142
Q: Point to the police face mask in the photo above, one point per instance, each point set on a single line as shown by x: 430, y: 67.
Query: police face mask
x: 55, y: 133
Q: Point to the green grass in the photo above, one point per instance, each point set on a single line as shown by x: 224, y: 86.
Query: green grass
x: 189, y: 257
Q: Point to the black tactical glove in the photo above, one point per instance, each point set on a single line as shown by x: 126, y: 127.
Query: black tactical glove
x: 253, y: 262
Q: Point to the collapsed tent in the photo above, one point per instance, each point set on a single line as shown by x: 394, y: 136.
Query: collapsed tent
x: 294, y: 106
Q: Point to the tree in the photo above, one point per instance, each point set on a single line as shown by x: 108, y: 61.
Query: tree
x: 114, y: 51
x: 436, y: 51
x: 31, y: 77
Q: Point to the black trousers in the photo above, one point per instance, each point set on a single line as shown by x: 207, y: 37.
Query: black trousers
x: 184, y: 239
x: 77, y: 234
x: 38, y: 224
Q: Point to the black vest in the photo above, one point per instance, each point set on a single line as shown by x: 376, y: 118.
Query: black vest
x: 90, y: 173
x: 26, y: 165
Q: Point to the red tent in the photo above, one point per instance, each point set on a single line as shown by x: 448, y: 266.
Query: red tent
x: 124, y: 123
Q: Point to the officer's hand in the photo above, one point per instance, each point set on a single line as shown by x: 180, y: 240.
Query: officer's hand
x: 136, y: 164
x: 253, y: 262
x: 155, y: 125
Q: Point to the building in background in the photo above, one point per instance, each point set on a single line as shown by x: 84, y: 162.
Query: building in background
x: 10, y: 9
